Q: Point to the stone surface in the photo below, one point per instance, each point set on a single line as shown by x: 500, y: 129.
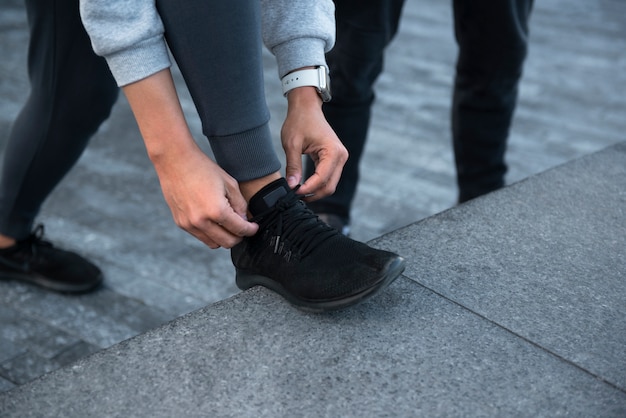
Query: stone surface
x: 545, y: 259
x: 511, y: 305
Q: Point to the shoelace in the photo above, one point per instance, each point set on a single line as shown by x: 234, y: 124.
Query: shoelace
x: 34, y: 240
x: 291, y: 221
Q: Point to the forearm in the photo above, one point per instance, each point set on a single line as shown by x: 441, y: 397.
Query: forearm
x: 160, y: 117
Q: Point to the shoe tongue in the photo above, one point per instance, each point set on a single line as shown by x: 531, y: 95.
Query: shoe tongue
x: 267, y: 197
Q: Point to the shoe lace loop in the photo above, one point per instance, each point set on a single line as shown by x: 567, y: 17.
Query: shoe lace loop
x: 35, y: 240
x: 294, y: 226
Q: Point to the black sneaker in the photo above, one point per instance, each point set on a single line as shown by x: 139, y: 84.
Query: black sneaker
x: 339, y: 223
x: 305, y: 260
x: 37, y: 261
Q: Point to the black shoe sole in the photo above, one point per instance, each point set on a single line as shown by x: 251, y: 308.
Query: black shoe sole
x: 393, y: 270
x: 49, y: 284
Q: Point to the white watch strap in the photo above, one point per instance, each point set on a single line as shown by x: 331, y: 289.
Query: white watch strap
x: 301, y: 78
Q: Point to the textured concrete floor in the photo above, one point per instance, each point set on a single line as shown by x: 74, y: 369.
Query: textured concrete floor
x: 512, y: 305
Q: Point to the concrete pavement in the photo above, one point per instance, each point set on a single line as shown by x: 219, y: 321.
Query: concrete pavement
x: 513, y: 304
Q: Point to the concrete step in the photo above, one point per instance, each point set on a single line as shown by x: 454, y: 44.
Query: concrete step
x: 513, y: 304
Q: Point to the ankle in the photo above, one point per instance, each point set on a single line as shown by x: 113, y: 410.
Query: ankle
x: 251, y: 187
x: 6, y: 242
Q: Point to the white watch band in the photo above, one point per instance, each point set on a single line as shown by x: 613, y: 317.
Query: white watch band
x: 314, y: 77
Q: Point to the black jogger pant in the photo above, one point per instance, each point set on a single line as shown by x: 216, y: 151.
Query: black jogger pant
x: 492, y: 41
x: 72, y: 93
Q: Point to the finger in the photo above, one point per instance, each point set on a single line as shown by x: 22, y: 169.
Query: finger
x: 207, y: 239
x: 293, y: 169
x: 310, y: 187
x: 218, y: 235
x: 237, y: 226
x: 237, y: 202
x: 328, y: 168
x: 322, y: 182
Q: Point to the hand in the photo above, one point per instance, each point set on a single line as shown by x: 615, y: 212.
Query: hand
x: 205, y: 201
x: 306, y: 131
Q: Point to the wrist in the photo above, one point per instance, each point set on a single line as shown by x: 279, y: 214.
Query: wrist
x: 304, y: 96
x: 316, y: 77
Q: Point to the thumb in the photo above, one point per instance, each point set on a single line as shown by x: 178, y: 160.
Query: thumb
x: 293, y: 170
x: 237, y: 202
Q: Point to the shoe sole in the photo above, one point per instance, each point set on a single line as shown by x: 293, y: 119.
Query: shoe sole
x: 46, y: 283
x: 393, y: 270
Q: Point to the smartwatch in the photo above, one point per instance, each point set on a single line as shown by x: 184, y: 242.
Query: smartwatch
x: 315, y: 77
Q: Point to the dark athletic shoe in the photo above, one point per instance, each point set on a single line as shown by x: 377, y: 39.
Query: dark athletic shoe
x: 306, y: 261
x: 37, y: 261
x: 336, y: 221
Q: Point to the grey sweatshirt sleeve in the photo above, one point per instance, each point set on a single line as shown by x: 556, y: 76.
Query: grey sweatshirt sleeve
x: 298, y: 32
x: 129, y: 34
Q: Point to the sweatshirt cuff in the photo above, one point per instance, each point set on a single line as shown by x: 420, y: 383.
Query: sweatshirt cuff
x: 298, y: 53
x: 141, y: 61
